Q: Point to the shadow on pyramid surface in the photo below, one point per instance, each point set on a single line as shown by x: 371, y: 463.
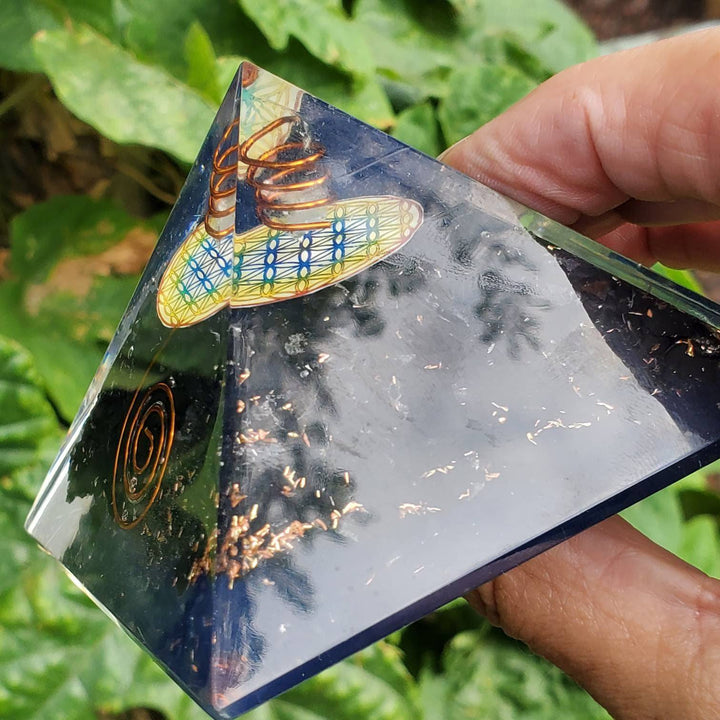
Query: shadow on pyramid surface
x: 351, y: 385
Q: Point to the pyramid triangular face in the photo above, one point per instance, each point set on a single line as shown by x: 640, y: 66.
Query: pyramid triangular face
x: 350, y: 386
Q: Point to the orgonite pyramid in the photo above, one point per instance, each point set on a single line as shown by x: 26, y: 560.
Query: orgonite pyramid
x: 352, y: 384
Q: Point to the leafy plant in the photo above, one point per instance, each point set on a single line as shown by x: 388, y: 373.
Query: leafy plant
x: 106, y: 103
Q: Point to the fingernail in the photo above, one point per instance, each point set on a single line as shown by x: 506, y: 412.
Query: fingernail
x: 447, y: 150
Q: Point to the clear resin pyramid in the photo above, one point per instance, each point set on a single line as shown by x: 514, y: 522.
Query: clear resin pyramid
x: 352, y: 384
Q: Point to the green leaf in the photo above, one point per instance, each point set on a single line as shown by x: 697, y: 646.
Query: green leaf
x: 457, y: 605
x: 420, y: 44
x: 27, y: 417
x: 102, y: 15
x: 417, y: 44
x: 373, y: 684
x: 701, y: 544
x: 21, y: 19
x: 660, y: 518
x: 62, y: 658
x: 321, y: 25
x: 22, y: 484
x: 202, y: 64
x: 516, y: 54
x: 158, y: 37
x: 385, y: 661
x: 227, y: 67
x: 491, y: 677
x: 423, y: 642
x: 433, y: 690
x: 367, y: 101
x: 547, y: 29
x: 64, y: 226
x: 686, y: 278
x: 67, y: 335
x: 363, y: 97
x: 77, y: 261
x: 126, y: 100
x: 476, y: 94
x: 417, y: 127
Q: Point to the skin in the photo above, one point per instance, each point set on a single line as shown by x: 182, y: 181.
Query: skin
x: 626, y: 149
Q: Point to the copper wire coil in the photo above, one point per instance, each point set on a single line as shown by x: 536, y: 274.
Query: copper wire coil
x: 223, y: 182
x: 139, y: 470
x: 267, y: 174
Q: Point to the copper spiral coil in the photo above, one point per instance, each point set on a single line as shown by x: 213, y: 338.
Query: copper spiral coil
x: 223, y: 182
x: 278, y: 173
x: 142, y: 454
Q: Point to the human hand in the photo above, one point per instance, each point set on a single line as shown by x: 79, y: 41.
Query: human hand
x: 626, y: 149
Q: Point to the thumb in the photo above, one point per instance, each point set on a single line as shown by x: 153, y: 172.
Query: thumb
x: 622, y: 141
x: 632, y: 623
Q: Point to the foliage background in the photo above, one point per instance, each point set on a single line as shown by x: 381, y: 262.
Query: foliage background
x: 104, y: 104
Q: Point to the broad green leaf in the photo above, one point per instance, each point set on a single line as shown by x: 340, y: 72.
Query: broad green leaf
x: 696, y: 540
x: 423, y: 642
x: 373, y: 684
x: 320, y: 25
x: 21, y: 19
x: 102, y: 15
x: 548, y: 30
x: 126, y: 100
x: 660, y: 518
x: 202, y: 64
x: 26, y: 417
x: 227, y: 66
x: 476, y: 94
x: 416, y: 43
x: 385, y: 661
x: 421, y: 44
x: 491, y: 677
x: 66, y: 354
x: 699, y: 493
x: 158, y: 37
x: 701, y: 544
x: 367, y: 101
x: 76, y: 262
x: 62, y: 658
x: 702, y: 478
x: 364, y: 97
x: 64, y: 226
x: 457, y: 605
x: 514, y: 53
x: 22, y: 484
x: 433, y: 692
x: 417, y: 126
